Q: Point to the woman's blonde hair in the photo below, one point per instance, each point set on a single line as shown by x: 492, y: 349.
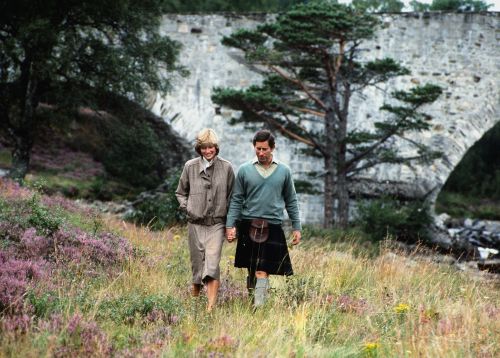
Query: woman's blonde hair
x: 206, y: 137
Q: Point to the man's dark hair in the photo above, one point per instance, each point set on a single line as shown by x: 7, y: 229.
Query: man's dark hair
x: 264, y: 136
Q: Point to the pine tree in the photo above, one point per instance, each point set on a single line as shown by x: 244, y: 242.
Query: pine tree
x: 311, y: 63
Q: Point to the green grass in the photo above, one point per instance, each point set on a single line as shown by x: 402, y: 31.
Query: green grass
x: 343, y: 301
x: 348, y: 297
x: 53, y: 181
x: 461, y: 206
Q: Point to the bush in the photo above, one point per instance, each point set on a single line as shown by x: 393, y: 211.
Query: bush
x: 29, y: 213
x: 160, y: 210
x: 142, y: 308
x: 41, y: 218
x: 133, y: 155
x: 404, y: 221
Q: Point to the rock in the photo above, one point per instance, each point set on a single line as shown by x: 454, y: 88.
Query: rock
x: 484, y: 253
x: 468, y: 222
x: 454, y: 232
x: 441, y: 220
x: 490, y: 265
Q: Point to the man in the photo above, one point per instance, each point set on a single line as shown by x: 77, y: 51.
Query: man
x: 263, y: 189
x: 203, y: 193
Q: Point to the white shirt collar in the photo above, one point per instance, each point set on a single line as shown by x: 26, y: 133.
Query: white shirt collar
x: 255, y: 160
x: 206, y: 164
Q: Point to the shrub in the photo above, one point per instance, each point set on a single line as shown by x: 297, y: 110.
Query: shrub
x: 405, y: 221
x: 76, y: 337
x: 15, y: 278
x: 29, y: 213
x: 160, y: 210
x: 45, y: 221
x: 44, y: 303
x: 133, y: 155
x: 142, y: 308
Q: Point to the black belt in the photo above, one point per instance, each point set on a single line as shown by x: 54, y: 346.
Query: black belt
x: 208, y: 221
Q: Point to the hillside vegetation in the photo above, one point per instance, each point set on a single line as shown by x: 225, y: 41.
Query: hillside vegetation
x: 473, y: 188
x: 111, y: 154
x: 75, y: 283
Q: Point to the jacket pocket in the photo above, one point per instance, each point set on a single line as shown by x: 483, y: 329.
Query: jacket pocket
x: 195, y: 206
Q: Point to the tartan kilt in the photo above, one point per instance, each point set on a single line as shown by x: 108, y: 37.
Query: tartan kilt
x: 270, y: 256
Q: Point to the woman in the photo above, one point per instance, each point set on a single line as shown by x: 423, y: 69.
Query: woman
x: 203, y: 193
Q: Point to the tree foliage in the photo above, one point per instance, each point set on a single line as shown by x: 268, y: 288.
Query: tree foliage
x: 379, y: 5
x: 451, y: 5
x: 178, y: 6
x: 68, y: 53
x: 311, y: 61
x: 387, y: 217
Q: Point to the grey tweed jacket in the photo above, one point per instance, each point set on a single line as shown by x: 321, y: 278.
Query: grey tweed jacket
x: 205, y: 196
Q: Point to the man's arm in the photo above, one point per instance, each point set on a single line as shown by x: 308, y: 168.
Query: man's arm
x: 235, y: 206
x: 291, y: 202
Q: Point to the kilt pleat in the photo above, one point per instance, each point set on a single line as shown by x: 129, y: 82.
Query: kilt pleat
x: 270, y: 256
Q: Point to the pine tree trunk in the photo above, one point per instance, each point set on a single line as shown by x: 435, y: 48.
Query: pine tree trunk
x: 330, y: 169
x: 343, y: 201
x: 341, y: 175
x: 329, y: 212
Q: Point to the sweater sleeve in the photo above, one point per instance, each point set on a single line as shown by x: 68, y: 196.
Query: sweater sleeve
x: 237, y: 199
x: 291, y: 202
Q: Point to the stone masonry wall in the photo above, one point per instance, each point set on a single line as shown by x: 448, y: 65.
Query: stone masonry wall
x: 460, y: 52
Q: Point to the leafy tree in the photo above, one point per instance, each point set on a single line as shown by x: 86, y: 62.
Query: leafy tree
x: 419, y: 6
x: 379, y: 5
x: 67, y: 53
x: 230, y: 5
x: 310, y: 60
x: 451, y: 5
x: 459, y: 5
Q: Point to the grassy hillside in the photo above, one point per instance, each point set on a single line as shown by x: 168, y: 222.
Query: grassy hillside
x: 111, y: 154
x: 74, y: 283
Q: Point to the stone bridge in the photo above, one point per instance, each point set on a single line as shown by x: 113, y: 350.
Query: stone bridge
x: 457, y: 51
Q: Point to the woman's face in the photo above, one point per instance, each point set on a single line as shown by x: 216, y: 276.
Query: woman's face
x: 208, y: 151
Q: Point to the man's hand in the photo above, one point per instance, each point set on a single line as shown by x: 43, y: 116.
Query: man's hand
x: 296, y: 237
x: 230, y: 234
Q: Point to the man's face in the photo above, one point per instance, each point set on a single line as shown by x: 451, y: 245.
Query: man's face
x: 208, y: 151
x: 264, y: 152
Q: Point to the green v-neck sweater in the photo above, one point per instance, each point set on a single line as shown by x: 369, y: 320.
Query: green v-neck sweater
x: 257, y: 197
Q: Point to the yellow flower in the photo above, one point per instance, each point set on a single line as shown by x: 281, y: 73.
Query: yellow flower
x: 402, y: 308
x: 370, y: 346
x: 231, y: 258
x: 177, y: 237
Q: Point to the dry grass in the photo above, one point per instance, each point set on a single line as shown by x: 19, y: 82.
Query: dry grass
x: 338, y: 304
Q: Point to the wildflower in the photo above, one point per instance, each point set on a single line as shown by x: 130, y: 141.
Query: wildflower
x: 370, y: 347
x: 177, y: 237
x: 346, y: 303
x: 402, y: 308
